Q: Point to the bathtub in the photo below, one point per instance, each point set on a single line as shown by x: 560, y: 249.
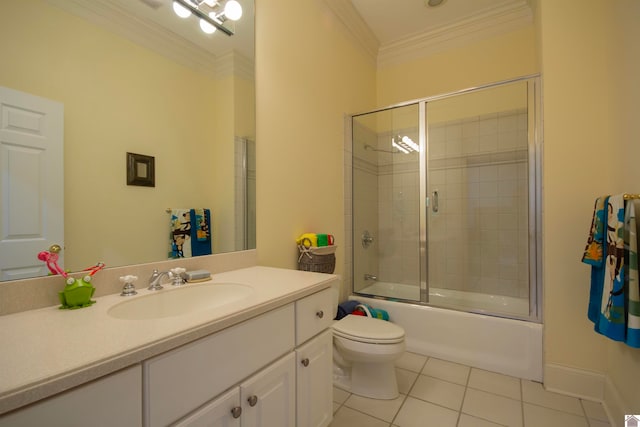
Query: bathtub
x: 497, y: 344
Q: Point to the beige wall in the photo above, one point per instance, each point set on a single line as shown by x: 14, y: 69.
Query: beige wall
x: 488, y: 60
x: 590, y: 67
x: 310, y: 74
x: 118, y: 98
x: 623, y: 364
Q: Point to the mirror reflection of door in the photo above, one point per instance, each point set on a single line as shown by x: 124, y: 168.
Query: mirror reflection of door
x: 31, y: 182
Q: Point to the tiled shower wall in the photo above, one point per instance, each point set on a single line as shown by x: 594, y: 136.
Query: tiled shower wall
x: 478, y: 240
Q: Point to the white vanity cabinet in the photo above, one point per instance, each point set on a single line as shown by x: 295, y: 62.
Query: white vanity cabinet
x: 314, y: 381
x: 293, y: 390
x: 314, y: 359
x: 114, y: 400
x: 180, y: 381
x: 272, y: 369
x: 264, y: 400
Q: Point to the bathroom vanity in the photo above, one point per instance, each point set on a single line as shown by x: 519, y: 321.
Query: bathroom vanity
x: 264, y: 359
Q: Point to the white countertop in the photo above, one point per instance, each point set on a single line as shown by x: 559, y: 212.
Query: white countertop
x: 49, y: 350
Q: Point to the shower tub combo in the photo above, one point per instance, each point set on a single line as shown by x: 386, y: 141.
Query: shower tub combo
x: 445, y: 223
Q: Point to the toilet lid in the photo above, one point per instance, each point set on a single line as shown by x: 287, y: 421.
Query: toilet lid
x: 368, y: 329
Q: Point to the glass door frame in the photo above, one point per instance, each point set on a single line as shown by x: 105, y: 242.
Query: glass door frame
x: 534, y: 143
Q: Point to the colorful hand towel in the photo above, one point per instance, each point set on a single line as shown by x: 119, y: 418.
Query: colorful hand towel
x: 593, y: 252
x: 200, y: 231
x: 611, y: 320
x: 594, y: 256
x: 180, y: 234
x: 633, y: 287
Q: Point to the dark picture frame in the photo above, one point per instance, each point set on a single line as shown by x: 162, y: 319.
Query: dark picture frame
x: 141, y: 170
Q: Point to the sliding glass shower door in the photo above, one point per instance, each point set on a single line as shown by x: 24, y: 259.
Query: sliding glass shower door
x: 445, y: 200
x: 386, y: 200
x: 478, y: 179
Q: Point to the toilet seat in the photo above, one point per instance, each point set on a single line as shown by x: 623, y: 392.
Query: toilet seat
x: 368, y: 330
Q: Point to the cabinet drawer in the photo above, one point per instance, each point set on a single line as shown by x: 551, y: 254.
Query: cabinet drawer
x: 181, y: 380
x: 313, y: 314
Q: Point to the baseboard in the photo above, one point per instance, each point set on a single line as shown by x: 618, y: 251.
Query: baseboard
x: 585, y: 385
x: 613, y: 403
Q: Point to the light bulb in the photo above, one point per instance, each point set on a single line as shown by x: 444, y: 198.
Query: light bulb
x: 233, y: 10
x: 207, y: 27
x: 180, y: 10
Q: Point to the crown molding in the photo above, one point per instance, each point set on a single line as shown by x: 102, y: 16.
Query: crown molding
x: 495, y: 21
x: 234, y: 64
x: 147, y: 33
x: 351, y: 19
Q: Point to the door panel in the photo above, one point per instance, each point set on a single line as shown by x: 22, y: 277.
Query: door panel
x: 31, y: 182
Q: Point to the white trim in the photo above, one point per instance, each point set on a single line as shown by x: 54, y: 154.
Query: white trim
x: 585, y: 385
x: 498, y: 20
x: 145, y: 33
x: 234, y: 64
x: 493, y: 22
x: 351, y: 19
x: 574, y: 382
x: 613, y: 403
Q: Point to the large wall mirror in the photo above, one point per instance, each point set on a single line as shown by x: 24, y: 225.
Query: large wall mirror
x: 133, y: 77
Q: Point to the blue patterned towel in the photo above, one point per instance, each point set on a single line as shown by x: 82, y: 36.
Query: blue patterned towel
x: 631, y: 259
x: 611, y: 319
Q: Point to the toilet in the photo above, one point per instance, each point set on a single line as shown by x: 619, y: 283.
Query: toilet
x: 364, y: 353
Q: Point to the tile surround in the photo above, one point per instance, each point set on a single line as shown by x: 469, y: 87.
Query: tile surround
x: 479, y: 167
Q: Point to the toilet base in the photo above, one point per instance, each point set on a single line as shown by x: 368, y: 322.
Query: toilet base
x: 372, y: 380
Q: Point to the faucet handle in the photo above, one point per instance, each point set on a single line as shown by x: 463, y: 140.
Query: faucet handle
x: 129, y: 289
x: 177, y: 275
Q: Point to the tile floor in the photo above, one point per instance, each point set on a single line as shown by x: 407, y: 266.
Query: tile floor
x: 439, y: 393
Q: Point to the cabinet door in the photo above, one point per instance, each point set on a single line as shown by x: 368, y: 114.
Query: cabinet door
x: 268, y: 398
x: 114, y: 400
x: 225, y: 411
x: 315, y: 381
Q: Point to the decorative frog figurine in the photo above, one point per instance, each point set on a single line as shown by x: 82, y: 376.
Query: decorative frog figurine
x: 78, y: 292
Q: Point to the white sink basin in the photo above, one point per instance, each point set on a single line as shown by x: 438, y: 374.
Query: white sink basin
x: 179, y: 301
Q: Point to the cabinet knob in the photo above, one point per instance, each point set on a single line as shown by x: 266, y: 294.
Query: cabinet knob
x: 236, y: 412
x: 252, y: 400
x: 320, y: 314
x: 305, y: 362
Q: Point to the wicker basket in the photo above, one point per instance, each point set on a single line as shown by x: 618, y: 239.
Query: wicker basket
x: 318, y: 263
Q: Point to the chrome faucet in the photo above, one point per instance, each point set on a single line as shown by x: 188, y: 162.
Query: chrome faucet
x: 156, y: 279
x: 370, y: 277
x: 176, y: 275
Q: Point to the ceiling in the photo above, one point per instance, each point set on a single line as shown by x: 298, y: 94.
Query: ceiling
x: 390, y: 31
x: 399, y: 19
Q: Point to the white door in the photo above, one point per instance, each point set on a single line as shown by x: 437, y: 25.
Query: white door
x: 31, y: 182
x: 315, y: 381
x: 268, y: 398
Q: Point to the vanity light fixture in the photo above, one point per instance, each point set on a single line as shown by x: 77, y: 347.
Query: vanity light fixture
x: 212, y: 13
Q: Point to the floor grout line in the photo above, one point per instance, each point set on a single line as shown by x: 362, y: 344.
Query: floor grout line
x: 459, y: 413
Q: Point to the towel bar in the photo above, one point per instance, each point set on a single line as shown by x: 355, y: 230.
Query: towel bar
x: 630, y: 196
